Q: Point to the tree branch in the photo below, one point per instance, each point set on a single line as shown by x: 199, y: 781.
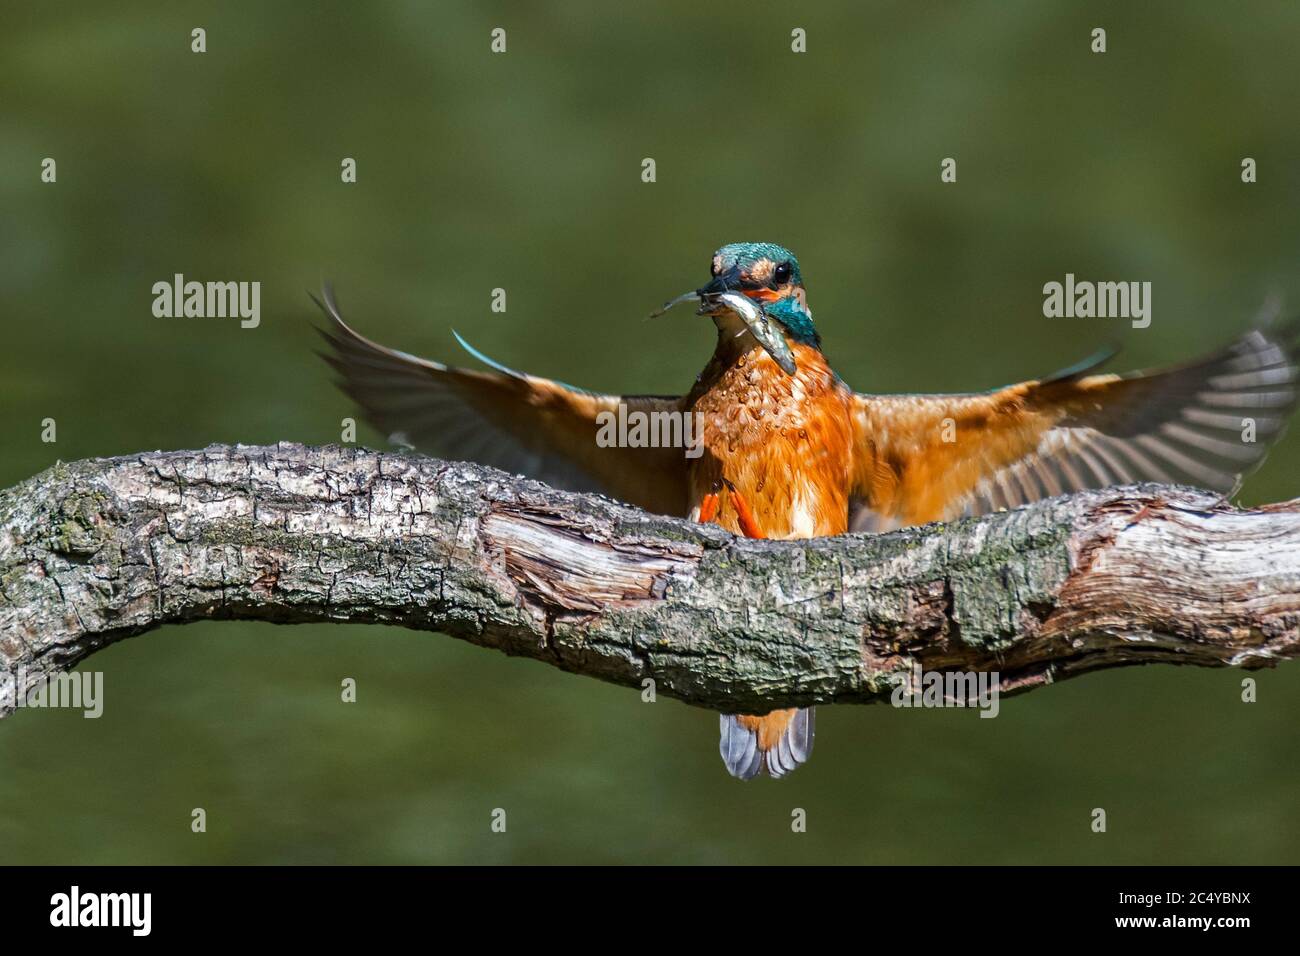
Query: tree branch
x: 98, y: 550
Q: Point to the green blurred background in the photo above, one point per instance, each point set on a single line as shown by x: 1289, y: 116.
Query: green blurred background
x: 522, y: 171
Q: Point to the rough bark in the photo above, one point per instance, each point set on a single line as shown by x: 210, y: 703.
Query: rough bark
x: 98, y: 550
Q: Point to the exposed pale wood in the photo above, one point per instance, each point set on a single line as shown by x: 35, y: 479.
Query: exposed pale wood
x: 98, y: 550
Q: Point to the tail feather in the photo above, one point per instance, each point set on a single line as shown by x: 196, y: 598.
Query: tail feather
x: 739, y: 748
x: 776, y: 743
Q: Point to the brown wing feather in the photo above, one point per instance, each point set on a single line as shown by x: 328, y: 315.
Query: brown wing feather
x: 519, y: 423
x: 932, y: 457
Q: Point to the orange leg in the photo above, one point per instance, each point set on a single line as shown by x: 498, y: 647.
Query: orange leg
x: 708, y: 508
x: 748, y: 524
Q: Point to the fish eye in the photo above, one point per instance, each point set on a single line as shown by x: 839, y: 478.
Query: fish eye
x: 781, y: 275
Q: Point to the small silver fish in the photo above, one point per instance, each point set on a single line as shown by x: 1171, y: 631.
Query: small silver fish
x: 764, y: 330
x: 684, y: 297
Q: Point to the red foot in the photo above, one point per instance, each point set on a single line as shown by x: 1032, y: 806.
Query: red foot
x: 748, y: 524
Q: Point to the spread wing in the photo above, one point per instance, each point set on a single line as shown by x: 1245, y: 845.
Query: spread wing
x: 519, y: 423
x: 925, y: 458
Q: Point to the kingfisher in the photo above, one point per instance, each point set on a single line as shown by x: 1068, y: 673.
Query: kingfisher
x: 791, y: 451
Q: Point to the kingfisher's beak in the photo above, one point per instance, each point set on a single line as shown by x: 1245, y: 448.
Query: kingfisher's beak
x: 729, y: 281
x: 726, y: 294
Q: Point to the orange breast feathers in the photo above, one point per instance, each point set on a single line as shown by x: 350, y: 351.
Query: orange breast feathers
x: 784, y: 442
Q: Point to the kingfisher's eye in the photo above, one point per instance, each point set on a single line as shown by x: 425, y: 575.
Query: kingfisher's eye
x: 781, y: 275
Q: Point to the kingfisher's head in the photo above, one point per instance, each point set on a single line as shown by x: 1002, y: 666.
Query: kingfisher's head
x: 757, y: 290
x: 768, y: 275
